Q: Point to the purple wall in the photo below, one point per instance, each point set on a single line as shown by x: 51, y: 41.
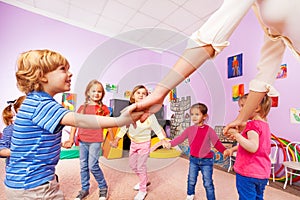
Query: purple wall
x: 129, y: 65
x: 248, y: 40
x: 22, y: 31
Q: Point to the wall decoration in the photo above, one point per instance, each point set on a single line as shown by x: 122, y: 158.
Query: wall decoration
x: 69, y: 101
x: 180, y: 119
x: 173, y: 94
x: 295, y: 115
x: 283, y: 72
x: 127, y: 94
x: 274, y: 101
x: 237, y: 92
x: 111, y: 88
x: 235, y: 66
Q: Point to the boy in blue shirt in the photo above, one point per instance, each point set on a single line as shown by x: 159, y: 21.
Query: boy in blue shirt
x: 36, y: 140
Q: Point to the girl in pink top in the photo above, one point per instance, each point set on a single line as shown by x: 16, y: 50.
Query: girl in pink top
x: 252, y: 165
x: 201, y: 138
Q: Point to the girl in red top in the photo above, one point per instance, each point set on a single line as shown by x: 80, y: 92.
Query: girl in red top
x: 90, y: 141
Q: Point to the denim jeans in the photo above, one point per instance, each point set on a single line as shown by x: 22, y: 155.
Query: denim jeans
x: 205, y: 165
x: 89, y: 156
x: 250, y: 188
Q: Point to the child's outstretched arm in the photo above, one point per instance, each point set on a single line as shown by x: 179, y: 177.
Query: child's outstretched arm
x: 164, y: 142
x: 127, y: 117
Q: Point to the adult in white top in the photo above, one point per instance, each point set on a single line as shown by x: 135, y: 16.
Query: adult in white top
x: 279, y: 20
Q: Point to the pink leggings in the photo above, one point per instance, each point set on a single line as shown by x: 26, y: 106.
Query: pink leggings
x: 138, y: 156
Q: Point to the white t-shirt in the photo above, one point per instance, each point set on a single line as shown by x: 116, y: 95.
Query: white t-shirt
x: 142, y: 132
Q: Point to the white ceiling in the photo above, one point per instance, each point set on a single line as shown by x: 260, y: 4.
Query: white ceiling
x: 141, y: 22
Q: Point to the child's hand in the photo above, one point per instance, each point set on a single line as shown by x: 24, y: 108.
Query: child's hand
x: 231, y: 133
x: 227, y: 153
x: 151, y: 104
x: 166, y: 144
x: 67, y: 144
x: 236, y: 124
x: 129, y: 116
x: 114, y: 143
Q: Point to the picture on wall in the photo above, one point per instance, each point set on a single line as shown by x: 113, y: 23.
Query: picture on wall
x: 295, y: 115
x: 173, y: 94
x: 282, y: 72
x: 235, y: 66
x: 237, y: 92
x: 127, y: 94
x: 69, y: 101
x: 111, y: 88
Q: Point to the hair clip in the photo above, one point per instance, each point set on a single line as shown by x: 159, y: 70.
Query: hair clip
x: 11, y: 102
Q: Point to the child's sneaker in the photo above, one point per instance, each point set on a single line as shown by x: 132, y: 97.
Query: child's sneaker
x: 103, y: 194
x: 190, y: 197
x: 137, y: 186
x: 82, y: 194
x: 140, y: 195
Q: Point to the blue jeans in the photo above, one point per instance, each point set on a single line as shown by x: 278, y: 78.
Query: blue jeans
x: 250, y: 188
x: 205, y: 165
x: 89, y: 156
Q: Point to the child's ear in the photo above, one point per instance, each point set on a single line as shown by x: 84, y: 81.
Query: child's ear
x: 44, y: 79
x: 257, y: 110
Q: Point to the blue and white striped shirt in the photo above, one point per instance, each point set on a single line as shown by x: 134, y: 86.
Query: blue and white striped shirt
x: 36, y: 142
x: 6, y: 139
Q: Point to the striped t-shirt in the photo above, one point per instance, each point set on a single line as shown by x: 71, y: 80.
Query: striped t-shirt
x: 36, y: 142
